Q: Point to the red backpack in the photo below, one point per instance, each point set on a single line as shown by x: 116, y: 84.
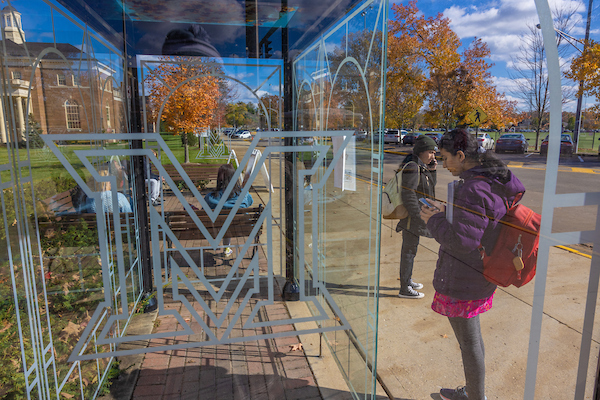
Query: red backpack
x: 513, y: 259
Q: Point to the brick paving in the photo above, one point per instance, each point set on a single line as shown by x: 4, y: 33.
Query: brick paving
x: 257, y: 369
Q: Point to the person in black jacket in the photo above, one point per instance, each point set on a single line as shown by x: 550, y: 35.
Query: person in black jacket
x: 418, y: 180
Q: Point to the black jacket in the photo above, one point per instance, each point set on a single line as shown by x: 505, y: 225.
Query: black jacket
x: 417, y: 181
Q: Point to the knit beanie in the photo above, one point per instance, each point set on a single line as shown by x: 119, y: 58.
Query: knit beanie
x: 424, y: 143
x: 193, y: 41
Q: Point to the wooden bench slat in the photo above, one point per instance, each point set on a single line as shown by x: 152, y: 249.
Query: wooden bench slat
x: 242, y: 224
x: 195, y: 171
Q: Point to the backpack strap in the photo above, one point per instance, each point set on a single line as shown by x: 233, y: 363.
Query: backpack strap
x: 402, y: 170
x: 508, y: 206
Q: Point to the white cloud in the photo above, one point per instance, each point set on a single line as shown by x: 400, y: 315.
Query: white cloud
x: 501, y: 24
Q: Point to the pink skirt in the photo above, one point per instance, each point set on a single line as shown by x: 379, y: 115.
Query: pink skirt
x: 451, y: 307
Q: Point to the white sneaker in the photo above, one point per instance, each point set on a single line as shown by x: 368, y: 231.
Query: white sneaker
x: 416, y: 285
x: 410, y: 293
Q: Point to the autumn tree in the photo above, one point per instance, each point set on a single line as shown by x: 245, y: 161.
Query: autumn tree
x: 453, y: 83
x: 241, y: 114
x: 405, y: 82
x: 183, y: 96
x: 586, y: 68
x: 500, y: 111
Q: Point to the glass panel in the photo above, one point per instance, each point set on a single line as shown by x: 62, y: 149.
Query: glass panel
x: 61, y: 257
x: 339, y: 81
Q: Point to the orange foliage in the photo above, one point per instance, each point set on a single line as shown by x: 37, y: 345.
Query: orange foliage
x: 187, y: 94
x: 454, y: 85
x: 586, y: 67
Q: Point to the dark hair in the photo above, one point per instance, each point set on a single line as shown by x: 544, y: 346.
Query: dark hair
x: 461, y: 140
x: 224, y: 176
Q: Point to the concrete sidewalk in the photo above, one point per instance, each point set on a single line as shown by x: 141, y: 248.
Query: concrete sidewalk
x: 418, y: 352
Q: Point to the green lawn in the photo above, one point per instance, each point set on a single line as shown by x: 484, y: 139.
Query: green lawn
x: 45, y: 165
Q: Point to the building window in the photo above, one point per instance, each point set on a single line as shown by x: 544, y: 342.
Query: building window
x: 8, y: 20
x: 16, y: 74
x: 75, y: 80
x: 62, y: 80
x: 108, y: 116
x: 72, y: 111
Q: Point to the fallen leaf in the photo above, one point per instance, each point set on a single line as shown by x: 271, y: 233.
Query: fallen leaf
x: 70, y: 330
x: 48, y: 275
x: 444, y: 336
x: 65, y: 288
x: 5, y: 328
x: 296, y: 347
x: 75, y: 277
x: 67, y: 395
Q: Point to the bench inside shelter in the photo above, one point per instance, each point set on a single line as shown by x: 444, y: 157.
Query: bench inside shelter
x: 197, y: 172
x: 184, y: 228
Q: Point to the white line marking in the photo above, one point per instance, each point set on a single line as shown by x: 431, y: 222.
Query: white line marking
x: 580, y: 159
x: 528, y: 155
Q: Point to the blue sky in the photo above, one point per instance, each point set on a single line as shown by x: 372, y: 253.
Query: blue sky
x: 502, y: 24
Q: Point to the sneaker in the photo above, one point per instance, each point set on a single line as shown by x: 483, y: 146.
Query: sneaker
x: 459, y: 393
x: 156, y: 202
x: 410, y: 293
x: 228, y: 251
x: 416, y: 285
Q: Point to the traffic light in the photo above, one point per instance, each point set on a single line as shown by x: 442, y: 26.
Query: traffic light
x: 268, y: 48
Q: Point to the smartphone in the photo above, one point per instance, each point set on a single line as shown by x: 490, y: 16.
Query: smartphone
x: 424, y: 201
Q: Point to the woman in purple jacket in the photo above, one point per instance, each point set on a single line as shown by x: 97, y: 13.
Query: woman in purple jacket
x: 462, y: 292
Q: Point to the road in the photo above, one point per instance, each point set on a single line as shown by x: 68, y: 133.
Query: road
x: 575, y: 175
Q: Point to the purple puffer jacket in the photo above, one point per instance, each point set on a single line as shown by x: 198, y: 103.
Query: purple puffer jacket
x: 459, y: 269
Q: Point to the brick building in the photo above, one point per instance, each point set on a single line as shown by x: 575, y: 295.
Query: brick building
x: 62, y: 87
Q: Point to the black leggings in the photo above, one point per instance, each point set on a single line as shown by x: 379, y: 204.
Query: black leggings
x: 468, y: 334
x: 410, y: 245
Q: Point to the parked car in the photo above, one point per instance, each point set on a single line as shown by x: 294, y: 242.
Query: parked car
x: 566, y: 145
x: 242, y: 135
x: 410, y: 138
x: 360, y: 134
x: 485, y: 141
x: 436, y: 136
x: 392, y: 136
x: 512, y: 142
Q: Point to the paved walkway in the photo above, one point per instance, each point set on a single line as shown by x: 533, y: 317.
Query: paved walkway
x: 263, y: 369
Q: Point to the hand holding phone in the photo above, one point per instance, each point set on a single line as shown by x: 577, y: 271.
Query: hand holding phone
x: 427, y: 204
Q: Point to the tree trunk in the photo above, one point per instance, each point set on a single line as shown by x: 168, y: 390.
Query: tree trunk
x: 186, y: 148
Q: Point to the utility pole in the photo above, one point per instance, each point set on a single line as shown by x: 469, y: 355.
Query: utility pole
x: 580, y: 97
